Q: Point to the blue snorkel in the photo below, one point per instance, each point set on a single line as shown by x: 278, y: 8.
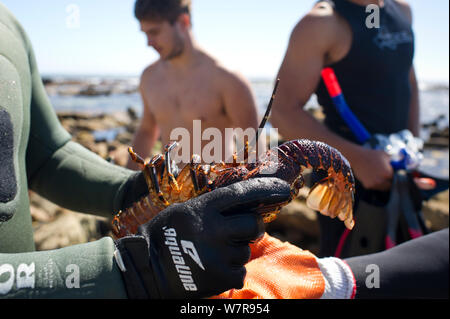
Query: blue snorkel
x: 401, y: 157
x: 335, y: 91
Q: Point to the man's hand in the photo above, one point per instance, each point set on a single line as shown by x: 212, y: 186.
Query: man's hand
x: 373, y: 168
x: 199, y: 248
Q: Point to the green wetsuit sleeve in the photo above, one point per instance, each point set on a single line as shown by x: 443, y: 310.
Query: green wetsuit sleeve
x: 63, y: 171
x: 80, y: 271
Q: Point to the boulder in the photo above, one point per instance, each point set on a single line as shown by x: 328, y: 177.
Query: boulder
x: 436, y: 212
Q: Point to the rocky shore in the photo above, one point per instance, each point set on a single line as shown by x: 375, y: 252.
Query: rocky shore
x: 89, y: 87
x: 109, y: 135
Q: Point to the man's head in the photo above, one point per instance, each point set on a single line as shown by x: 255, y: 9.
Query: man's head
x: 166, y: 24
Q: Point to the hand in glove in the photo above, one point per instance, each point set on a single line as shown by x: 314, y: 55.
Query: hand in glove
x: 199, y: 248
x: 299, y: 274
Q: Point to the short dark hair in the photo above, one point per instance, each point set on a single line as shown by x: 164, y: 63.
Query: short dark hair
x: 160, y: 10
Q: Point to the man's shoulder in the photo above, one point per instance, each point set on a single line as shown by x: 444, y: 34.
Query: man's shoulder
x: 227, y: 78
x: 320, y: 22
x: 150, y: 71
x: 322, y: 14
x: 148, y: 79
x: 219, y: 75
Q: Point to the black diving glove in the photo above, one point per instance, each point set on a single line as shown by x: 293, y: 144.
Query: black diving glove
x: 198, y: 248
x: 134, y: 189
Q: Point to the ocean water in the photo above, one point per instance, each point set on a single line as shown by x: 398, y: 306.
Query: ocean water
x: 434, y: 99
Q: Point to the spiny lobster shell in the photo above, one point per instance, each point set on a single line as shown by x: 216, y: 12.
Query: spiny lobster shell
x: 333, y: 196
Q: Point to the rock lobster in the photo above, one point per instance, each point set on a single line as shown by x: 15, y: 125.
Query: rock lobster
x: 333, y: 196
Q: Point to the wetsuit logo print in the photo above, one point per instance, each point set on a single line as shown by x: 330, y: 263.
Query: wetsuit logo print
x: 8, y: 186
x: 391, y: 40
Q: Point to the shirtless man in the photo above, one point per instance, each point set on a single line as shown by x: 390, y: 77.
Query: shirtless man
x: 376, y: 73
x: 186, y: 83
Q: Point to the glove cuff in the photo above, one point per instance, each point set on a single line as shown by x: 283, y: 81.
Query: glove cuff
x: 339, y: 280
x: 132, y: 257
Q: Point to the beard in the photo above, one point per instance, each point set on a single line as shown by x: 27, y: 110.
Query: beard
x: 177, y: 49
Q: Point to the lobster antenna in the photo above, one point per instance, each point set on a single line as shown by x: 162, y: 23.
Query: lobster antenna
x: 266, y: 115
x: 269, y: 108
x: 263, y: 122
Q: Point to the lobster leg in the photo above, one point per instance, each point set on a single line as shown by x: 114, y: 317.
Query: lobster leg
x: 169, y: 167
x: 151, y: 169
x: 246, y: 150
x: 136, y: 158
x: 193, y: 165
x: 141, y: 162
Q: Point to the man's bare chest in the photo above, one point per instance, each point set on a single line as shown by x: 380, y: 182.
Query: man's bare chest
x: 185, y: 103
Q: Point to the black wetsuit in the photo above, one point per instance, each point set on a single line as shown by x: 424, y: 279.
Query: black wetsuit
x: 414, y: 269
x: 374, y: 77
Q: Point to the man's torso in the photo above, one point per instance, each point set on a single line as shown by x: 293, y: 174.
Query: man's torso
x: 177, y: 100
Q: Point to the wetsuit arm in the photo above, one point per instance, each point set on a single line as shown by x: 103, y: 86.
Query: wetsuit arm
x: 63, y: 171
x: 81, y: 271
x: 414, y: 269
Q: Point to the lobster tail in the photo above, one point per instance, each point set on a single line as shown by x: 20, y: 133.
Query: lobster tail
x: 329, y: 200
x: 333, y: 196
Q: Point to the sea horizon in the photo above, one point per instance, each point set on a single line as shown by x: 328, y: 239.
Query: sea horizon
x: 423, y: 83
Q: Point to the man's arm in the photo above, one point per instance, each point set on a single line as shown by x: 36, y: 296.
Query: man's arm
x: 239, y: 101
x: 308, y: 52
x: 417, y: 268
x: 63, y: 171
x: 148, y: 131
x: 414, y: 109
x: 299, y: 75
x: 80, y: 271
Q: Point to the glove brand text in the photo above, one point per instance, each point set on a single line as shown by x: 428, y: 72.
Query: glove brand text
x: 184, y: 272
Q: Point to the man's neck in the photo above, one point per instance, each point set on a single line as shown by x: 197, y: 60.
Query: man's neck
x: 191, y: 52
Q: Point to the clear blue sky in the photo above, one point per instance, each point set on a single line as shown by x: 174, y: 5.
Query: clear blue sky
x: 246, y: 35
